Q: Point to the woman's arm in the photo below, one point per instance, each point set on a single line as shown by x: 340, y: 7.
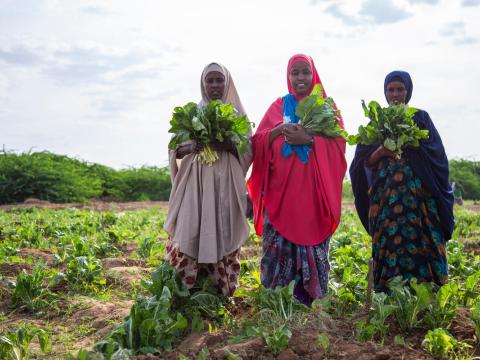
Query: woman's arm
x: 275, y: 132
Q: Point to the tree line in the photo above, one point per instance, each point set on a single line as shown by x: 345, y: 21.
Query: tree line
x: 60, y: 179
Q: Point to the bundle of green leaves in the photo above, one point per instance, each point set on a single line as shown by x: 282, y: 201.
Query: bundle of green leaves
x: 215, y: 123
x: 392, y: 126
x: 318, y: 115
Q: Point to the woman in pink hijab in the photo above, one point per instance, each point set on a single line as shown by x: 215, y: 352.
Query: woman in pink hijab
x: 296, y: 188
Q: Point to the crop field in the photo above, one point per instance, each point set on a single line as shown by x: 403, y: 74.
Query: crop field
x: 92, y: 284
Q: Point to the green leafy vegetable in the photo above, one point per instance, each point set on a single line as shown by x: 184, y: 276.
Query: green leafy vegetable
x: 215, y: 123
x: 393, y: 127
x: 318, y: 115
x: 441, y: 344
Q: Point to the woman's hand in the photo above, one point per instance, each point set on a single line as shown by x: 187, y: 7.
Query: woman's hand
x: 295, y: 134
x: 378, y: 154
x: 187, y: 149
x: 228, y: 146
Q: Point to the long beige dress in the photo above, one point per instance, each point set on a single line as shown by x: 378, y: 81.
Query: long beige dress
x: 206, y: 217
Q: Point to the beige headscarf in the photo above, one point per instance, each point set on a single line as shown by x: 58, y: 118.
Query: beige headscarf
x: 230, y: 95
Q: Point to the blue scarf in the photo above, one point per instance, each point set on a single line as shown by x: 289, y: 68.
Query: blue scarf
x: 289, y: 106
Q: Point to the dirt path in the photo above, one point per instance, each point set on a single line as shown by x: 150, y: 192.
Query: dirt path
x: 135, y: 205
x: 94, y: 205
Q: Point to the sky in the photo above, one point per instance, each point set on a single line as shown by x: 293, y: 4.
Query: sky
x: 98, y: 80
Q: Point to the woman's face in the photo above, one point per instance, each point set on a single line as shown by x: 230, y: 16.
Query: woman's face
x: 300, y: 77
x: 215, y: 85
x: 396, y: 92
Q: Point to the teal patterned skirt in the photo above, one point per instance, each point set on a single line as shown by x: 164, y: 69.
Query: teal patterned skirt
x: 405, y: 227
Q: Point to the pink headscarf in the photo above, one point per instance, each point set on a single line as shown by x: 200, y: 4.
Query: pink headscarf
x: 315, y: 79
x: 303, y: 201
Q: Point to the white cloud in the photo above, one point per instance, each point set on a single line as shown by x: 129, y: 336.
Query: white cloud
x: 470, y: 2
x: 116, y: 79
x: 430, y: 2
x: 383, y: 12
x: 467, y: 40
x: 20, y: 55
x: 337, y: 11
x: 453, y: 29
x: 457, y: 33
x: 95, y: 10
x: 370, y: 12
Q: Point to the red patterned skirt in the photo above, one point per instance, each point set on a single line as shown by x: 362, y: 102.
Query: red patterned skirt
x: 224, y: 274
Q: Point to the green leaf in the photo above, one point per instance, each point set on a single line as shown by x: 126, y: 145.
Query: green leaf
x: 390, y: 144
x: 399, y: 340
x: 230, y: 355
x: 318, y: 115
x: 324, y: 342
x: 203, y: 354
x: 197, y: 124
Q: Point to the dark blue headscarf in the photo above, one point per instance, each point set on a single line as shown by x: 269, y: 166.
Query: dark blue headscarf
x: 403, y: 77
x: 429, y: 162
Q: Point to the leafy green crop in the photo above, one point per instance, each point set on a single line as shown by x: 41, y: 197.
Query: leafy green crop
x: 441, y: 344
x: 277, y: 338
x: 29, y: 290
x: 156, y: 323
x: 442, y: 307
x: 216, y: 122
x: 318, y: 115
x: 366, y: 330
x: 15, y: 344
x: 475, y: 315
x: 409, y: 303
x: 393, y: 127
x: 79, y: 236
x: 85, y: 272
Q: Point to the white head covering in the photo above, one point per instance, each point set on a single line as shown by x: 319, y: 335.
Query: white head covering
x: 230, y: 94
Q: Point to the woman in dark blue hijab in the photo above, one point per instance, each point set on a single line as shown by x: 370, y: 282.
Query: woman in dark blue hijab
x: 406, y: 205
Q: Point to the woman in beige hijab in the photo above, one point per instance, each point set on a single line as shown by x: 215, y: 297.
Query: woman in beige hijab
x: 206, y: 218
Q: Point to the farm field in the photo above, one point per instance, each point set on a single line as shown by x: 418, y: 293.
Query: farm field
x: 89, y: 282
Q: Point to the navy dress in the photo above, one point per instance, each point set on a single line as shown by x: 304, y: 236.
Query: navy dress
x: 406, y: 206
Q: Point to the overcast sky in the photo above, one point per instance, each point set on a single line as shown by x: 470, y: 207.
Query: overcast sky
x: 98, y: 80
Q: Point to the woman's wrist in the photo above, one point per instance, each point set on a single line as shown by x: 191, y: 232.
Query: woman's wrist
x: 312, y: 140
x: 275, y: 132
x: 183, y: 151
x: 374, y: 157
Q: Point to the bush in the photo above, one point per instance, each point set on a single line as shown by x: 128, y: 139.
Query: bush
x: 60, y: 179
x: 45, y: 176
x: 466, y: 175
x: 145, y: 183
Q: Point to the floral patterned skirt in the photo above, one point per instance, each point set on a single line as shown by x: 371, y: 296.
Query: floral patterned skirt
x: 224, y: 274
x: 284, y: 261
x: 405, y: 227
